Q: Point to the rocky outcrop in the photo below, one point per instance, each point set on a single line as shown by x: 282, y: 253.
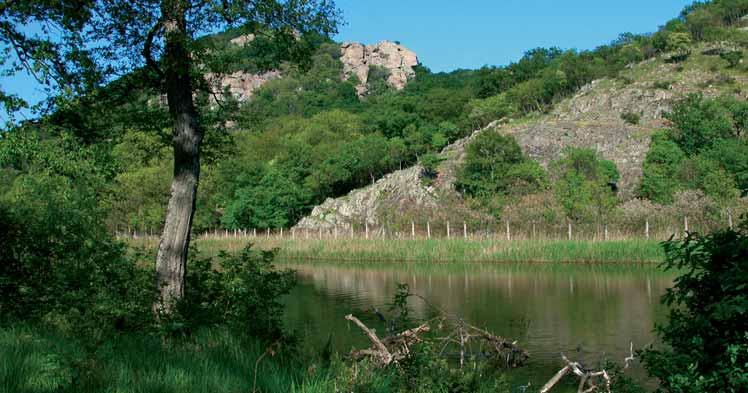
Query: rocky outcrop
x: 401, y: 189
x: 241, y: 85
x: 358, y: 60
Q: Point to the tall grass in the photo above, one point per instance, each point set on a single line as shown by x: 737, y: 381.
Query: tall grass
x: 441, y: 250
x: 36, y: 360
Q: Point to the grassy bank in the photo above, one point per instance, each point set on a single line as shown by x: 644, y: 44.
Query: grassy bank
x: 442, y: 250
x: 35, y: 359
x: 41, y: 360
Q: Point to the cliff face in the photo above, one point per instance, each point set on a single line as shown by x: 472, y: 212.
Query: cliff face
x: 358, y: 59
x: 592, y: 118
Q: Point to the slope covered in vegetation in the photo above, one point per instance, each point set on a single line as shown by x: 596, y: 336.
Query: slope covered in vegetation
x: 285, y: 138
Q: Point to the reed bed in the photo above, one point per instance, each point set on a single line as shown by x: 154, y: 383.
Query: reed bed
x: 438, y: 250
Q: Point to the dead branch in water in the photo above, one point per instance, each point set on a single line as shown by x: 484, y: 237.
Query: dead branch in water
x: 398, y: 346
x: 590, y: 381
x: 389, y: 349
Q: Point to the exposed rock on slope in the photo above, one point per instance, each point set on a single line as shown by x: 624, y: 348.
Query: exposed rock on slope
x: 397, y: 60
x: 591, y: 118
x: 399, y: 190
x: 357, y: 60
x: 241, y: 85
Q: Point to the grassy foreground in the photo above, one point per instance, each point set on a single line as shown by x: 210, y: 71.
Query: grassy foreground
x: 40, y: 360
x: 442, y: 250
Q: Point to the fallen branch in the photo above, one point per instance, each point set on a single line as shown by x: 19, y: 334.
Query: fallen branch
x: 586, y: 377
x: 379, y: 350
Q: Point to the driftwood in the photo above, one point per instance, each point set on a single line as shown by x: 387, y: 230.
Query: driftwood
x: 389, y: 349
x: 396, y: 347
x: 590, y: 381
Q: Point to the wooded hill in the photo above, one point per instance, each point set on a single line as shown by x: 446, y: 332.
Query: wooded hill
x: 608, y: 134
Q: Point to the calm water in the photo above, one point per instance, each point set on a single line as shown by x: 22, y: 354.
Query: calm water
x: 584, y: 311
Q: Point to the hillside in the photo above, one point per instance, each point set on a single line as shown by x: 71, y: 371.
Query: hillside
x: 591, y: 118
x: 314, y: 133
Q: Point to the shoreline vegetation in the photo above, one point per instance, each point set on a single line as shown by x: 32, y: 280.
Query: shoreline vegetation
x: 434, y: 250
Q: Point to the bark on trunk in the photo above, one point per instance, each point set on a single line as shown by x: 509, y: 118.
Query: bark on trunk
x: 171, y: 262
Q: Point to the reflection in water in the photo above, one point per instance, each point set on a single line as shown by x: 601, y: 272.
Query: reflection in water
x: 581, y: 310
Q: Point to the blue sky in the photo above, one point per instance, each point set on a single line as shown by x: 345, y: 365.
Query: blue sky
x: 448, y: 34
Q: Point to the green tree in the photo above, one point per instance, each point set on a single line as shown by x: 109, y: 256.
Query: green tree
x: 707, y: 175
x: 81, y: 40
x: 483, y: 111
x: 495, y: 167
x: 585, y: 183
x: 274, y: 202
x: 698, y: 123
x: 707, y: 328
x: 680, y: 44
x: 732, y: 155
x: 660, y: 170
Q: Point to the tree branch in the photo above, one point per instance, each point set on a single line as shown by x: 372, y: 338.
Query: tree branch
x: 148, y: 49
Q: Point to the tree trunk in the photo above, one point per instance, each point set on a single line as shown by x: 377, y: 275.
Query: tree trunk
x: 171, y: 262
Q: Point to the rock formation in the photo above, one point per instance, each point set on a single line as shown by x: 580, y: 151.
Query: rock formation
x: 358, y: 59
x: 399, y: 189
x: 241, y: 85
x: 592, y: 118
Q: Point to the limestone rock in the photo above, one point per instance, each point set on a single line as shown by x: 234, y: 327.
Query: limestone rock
x: 397, y: 60
x: 400, y: 189
x: 243, y: 39
x: 241, y: 85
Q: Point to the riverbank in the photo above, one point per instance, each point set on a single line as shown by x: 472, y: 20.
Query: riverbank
x: 438, y: 250
x: 38, y: 359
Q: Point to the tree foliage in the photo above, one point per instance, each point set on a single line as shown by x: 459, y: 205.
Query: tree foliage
x: 585, y: 183
x: 706, y: 328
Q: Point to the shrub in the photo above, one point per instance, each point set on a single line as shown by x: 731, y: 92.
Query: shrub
x: 631, y: 118
x: 241, y: 291
x: 585, y: 184
x: 495, y: 167
x: 484, y: 111
x: 59, y: 264
x: 662, y: 85
x: 430, y: 163
x: 732, y: 58
x: 707, y: 328
x: 660, y: 168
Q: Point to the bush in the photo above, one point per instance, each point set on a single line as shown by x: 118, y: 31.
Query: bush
x: 495, y: 167
x: 707, y: 328
x: 732, y: 58
x: 662, y: 85
x: 586, y: 183
x: 430, y: 163
x: 59, y: 264
x: 240, y: 291
x: 631, y: 118
x: 660, y: 169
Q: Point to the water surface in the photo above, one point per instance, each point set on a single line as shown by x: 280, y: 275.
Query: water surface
x: 586, y: 311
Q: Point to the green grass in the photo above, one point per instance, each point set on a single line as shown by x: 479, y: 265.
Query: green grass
x: 442, y: 250
x: 37, y: 360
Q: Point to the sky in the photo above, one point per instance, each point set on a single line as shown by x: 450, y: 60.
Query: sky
x: 448, y: 34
